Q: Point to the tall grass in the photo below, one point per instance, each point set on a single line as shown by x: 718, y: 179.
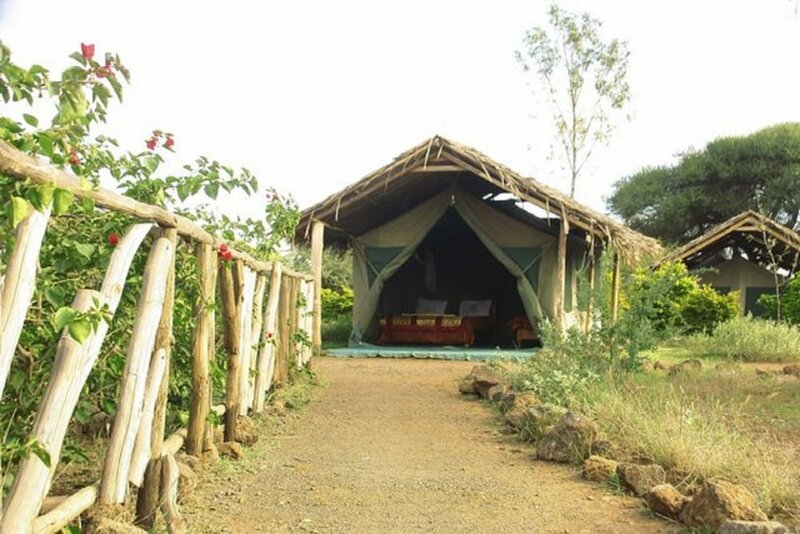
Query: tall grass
x: 701, y: 426
x: 748, y: 339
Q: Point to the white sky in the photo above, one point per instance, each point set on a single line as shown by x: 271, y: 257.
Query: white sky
x: 313, y: 95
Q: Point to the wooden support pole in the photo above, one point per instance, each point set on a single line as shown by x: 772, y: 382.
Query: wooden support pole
x: 230, y: 318
x: 18, y: 286
x: 71, y: 368
x: 203, y: 330
x: 114, y: 482
x: 245, y: 337
x: 615, y: 280
x: 66, y: 511
x: 561, y: 274
x: 297, y: 317
x: 317, y: 244
x: 587, y: 323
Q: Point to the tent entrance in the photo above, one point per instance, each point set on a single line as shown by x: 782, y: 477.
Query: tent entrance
x: 451, y: 272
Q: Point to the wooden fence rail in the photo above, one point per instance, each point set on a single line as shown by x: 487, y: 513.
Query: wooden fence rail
x: 267, y: 314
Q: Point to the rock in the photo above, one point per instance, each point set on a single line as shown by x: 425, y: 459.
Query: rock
x: 686, y: 367
x: 599, y: 469
x: 230, y: 449
x: 792, y: 369
x: 467, y: 386
x: 536, y: 420
x: 517, y: 412
x: 210, y: 454
x: 752, y: 527
x: 640, y: 478
x: 484, y: 377
x: 764, y: 373
x: 246, y: 432
x: 219, y: 434
x: 104, y: 525
x: 496, y: 393
x: 508, y: 400
x: 570, y: 440
x: 665, y: 500
x: 664, y: 366
x: 718, y: 501
x: 187, y: 479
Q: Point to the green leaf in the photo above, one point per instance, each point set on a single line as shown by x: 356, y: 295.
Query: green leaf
x: 87, y: 205
x: 30, y: 119
x: 80, y: 330
x: 40, y: 452
x: 42, y: 197
x: 55, y: 295
x: 63, y: 317
x: 46, y: 144
x: 85, y: 249
x: 20, y: 208
x: 62, y: 199
x: 212, y: 189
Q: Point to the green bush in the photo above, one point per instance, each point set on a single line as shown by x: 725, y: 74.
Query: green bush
x: 336, y: 330
x: 749, y: 339
x: 683, y: 304
x: 336, y: 302
x: 790, y: 302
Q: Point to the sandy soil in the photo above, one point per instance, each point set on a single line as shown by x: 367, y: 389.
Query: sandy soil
x: 389, y: 446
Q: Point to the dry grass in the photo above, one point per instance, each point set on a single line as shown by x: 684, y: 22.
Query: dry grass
x: 730, y: 424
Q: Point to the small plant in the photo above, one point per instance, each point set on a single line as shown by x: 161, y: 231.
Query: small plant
x: 749, y: 339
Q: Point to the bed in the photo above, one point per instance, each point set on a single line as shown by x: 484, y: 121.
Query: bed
x: 431, y: 325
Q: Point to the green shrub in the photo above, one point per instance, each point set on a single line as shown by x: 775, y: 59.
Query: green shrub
x: 336, y: 302
x: 790, y: 302
x: 336, y: 330
x: 678, y: 302
x: 749, y: 339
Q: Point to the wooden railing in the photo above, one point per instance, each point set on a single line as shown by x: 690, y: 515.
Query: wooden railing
x: 261, y: 309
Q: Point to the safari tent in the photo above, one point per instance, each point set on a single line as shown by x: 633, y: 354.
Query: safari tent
x: 452, y: 248
x: 744, y: 254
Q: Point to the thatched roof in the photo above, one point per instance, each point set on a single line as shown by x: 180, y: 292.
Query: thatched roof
x: 763, y: 240
x: 429, y: 167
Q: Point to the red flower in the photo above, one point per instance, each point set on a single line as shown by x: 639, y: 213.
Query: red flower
x: 73, y: 158
x: 223, y: 248
x: 103, y: 72
x: 169, y: 142
x: 113, y: 239
x: 227, y: 255
x: 224, y: 252
x: 151, y: 143
x: 87, y: 51
x: 269, y: 335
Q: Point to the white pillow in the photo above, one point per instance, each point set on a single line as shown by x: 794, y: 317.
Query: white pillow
x: 475, y: 308
x: 431, y: 307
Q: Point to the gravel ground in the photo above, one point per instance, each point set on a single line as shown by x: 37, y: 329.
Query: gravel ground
x: 389, y: 446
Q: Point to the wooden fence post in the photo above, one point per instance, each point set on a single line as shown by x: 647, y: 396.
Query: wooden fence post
x: 587, y: 322
x: 245, y: 337
x: 317, y: 244
x: 284, y: 332
x: 255, y: 338
x: 296, y: 322
x: 19, y: 285
x: 71, y: 368
x: 266, y: 357
x: 230, y: 318
x: 141, y: 448
x: 200, y: 403
x: 114, y: 482
x: 148, y: 498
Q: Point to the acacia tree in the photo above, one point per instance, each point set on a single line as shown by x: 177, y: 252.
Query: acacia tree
x: 585, y: 79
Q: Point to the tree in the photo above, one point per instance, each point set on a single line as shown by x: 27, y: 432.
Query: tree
x: 585, y: 79
x: 760, y: 172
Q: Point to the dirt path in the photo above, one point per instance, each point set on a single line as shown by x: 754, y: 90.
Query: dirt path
x: 388, y: 446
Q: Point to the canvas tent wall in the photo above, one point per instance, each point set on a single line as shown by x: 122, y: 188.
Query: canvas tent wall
x: 521, y: 249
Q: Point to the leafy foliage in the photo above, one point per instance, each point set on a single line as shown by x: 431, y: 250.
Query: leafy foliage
x: 80, y: 239
x: 750, y: 339
x: 675, y: 301
x: 584, y: 77
x: 760, y: 171
x: 789, y: 300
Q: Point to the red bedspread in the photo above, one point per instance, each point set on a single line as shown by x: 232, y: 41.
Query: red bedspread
x: 429, y: 329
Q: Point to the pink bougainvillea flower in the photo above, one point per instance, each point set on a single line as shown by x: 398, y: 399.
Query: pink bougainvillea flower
x: 169, y: 143
x: 113, y: 239
x: 87, y: 51
x: 223, y: 248
x: 227, y: 255
x: 151, y: 143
